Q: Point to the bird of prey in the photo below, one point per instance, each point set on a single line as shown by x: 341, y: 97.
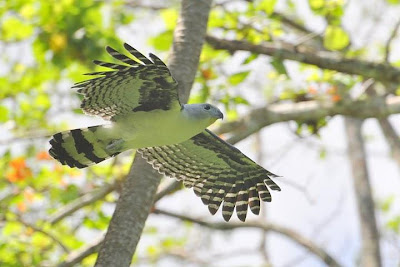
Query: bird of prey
x: 140, y: 98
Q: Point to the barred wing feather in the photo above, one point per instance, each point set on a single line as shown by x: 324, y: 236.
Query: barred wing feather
x: 217, y: 171
x: 137, y: 84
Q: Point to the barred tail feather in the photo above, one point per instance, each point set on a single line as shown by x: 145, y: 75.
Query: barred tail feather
x: 82, y: 147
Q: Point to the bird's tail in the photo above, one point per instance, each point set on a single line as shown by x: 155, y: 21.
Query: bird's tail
x: 83, y: 147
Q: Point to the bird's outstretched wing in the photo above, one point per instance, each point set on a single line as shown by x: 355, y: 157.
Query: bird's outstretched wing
x: 217, y: 171
x: 138, y: 84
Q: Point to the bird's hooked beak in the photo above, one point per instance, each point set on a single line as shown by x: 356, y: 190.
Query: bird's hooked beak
x: 220, y: 115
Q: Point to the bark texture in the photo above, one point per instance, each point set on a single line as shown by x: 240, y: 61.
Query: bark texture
x: 370, y: 250
x: 325, y: 60
x: 141, y: 184
x: 378, y: 107
x: 391, y: 137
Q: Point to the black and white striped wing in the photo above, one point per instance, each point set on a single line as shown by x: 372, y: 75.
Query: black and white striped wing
x: 217, y: 171
x: 138, y: 84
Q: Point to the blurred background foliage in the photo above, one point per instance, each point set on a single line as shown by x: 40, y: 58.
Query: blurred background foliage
x: 46, y: 46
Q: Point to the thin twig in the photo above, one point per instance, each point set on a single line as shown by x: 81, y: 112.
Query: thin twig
x: 81, y: 202
x: 390, y: 40
x: 39, y: 230
x: 296, y: 237
x: 79, y: 255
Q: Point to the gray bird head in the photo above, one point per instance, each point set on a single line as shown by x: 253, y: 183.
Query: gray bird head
x: 203, y: 111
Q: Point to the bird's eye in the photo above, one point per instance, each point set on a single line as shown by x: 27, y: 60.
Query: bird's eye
x: 207, y: 107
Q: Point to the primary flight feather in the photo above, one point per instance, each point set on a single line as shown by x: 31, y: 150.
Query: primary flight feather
x: 140, y: 98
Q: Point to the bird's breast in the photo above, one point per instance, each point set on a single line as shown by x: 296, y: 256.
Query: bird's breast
x: 156, y: 128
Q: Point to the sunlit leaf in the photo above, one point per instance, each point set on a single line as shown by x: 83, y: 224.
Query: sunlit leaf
x: 237, y: 78
x: 14, y: 29
x: 240, y: 100
x: 28, y: 10
x: 3, y: 114
x: 268, y: 6
x: 249, y: 59
x: 42, y: 101
x: 170, y: 16
x: 394, y: 224
x: 387, y: 203
x: 162, y: 41
x: 316, y: 4
x: 335, y: 38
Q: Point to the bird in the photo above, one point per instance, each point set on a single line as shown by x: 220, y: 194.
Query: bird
x: 140, y: 98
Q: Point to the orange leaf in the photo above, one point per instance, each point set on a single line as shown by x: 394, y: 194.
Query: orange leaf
x: 43, y: 155
x: 12, y: 176
x: 18, y: 163
x: 19, y: 171
x: 312, y: 90
x: 336, y: 98
x: 16, y: 175
x: 21, y: 206
x: 207, y: 74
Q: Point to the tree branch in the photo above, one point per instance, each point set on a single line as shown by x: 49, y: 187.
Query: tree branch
x: 308, y: 110
x: 39, y: 230
x: 81, y: 202
x: 370, y: 251
x: 390, y: 40
x: 325, y: 60
x: 79, y: 255
x: 391, y: 137
x: 387, y: 129
x: 171, y: 188
x: 309, y: 35
x: 296, y: 237
x: 141, y: 184
x: 130, y: 214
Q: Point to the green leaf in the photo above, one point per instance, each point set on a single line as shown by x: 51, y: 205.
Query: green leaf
x: 316, y: 4
x: 3, y: 114
x: 322, y: 153
x: 152, y: 250
x: 14, y: 29
x: 11, y: 227
x: 279, y: 66
x: 240, y: 100
x: 387, y: 203
x: 394, y: 224
x: 393, y: 2
x: 27, y: 11
x: 170, y: 16
x: 335, y: 38
x: 163, y: 41
x: 237, y: 78
x: 249, y: 59
x: 268, y: 6
x: 42, y: 101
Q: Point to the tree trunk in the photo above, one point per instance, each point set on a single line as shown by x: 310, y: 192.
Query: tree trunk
x: 141, y: 184
x: 370, y: 249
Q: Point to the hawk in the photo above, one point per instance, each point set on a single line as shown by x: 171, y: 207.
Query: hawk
x: 140, y: 99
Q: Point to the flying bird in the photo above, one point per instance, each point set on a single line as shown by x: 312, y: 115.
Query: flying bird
x: 140, y: 98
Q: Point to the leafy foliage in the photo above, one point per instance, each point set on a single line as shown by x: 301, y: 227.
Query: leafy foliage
x: 46, y: 47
